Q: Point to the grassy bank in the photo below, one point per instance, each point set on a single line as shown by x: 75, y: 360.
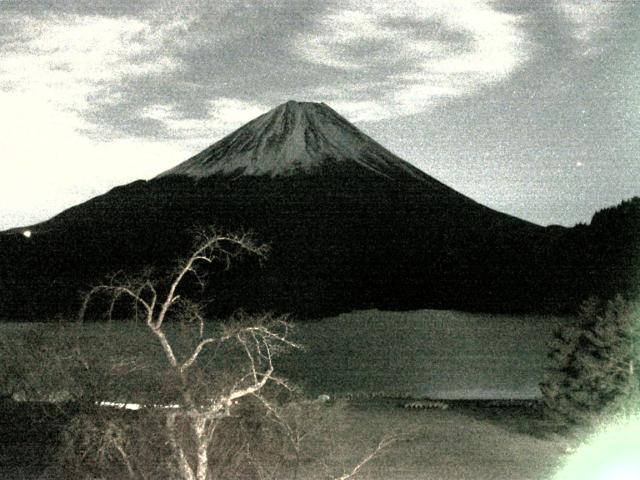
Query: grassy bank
x: 464, y: 442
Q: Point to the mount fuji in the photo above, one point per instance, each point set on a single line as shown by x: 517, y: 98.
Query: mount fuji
x: 351, y: 226
x: 295, y: 138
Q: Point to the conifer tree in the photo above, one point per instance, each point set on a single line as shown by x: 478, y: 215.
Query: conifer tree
x: 593, y: 364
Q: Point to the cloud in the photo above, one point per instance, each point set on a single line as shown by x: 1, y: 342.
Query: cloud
x: 222, y: 116
x: 382, y: 61
x: 64, y: 58
x: 587, y: 21
x: 153, y: 73
x: 441, y: 49
x: 51, y: 66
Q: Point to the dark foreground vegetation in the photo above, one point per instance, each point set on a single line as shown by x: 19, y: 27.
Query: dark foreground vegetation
x: 30, y: 436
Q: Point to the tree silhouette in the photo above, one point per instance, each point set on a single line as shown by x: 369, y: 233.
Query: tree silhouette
x: 593, y: 365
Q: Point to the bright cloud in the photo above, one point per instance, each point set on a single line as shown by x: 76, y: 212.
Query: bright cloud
x: 223, y: 115
x: 361, y: 36
x: 45, y: 79
x: 65, y: 58
x: 51, y: 76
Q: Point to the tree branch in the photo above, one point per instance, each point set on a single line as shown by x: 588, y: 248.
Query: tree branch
x: 194, y: 356
x: 382, y: 445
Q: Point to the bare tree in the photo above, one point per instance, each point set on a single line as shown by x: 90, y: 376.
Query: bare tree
x: 206, y: 394
x: 190, y: 422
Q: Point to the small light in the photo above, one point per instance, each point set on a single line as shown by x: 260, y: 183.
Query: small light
x: 27, y: 233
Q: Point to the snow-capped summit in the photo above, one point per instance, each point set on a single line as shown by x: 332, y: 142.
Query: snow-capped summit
x: 292, y: 138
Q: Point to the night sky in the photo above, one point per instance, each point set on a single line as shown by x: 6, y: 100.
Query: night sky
x: 529, y: 107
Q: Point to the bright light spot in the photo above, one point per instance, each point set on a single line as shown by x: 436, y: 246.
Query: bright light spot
x: 134, y: 406
x: 579, y: 164
x: 27, y: 233
x: 127, y: 406
x: 613, y: 454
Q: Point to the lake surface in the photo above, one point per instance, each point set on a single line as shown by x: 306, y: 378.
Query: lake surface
x: 426, y: 353
x: 438, y: 354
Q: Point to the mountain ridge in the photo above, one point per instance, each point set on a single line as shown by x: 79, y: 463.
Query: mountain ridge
x: 294, y: 137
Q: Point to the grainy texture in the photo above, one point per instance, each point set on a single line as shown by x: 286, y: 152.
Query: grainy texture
x: 465, y: 442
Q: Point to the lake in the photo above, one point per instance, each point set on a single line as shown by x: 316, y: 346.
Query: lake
x: 427, y: 353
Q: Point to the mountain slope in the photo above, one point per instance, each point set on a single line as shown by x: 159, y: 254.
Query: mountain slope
x: 350, y: 224
x: 294, y: 138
